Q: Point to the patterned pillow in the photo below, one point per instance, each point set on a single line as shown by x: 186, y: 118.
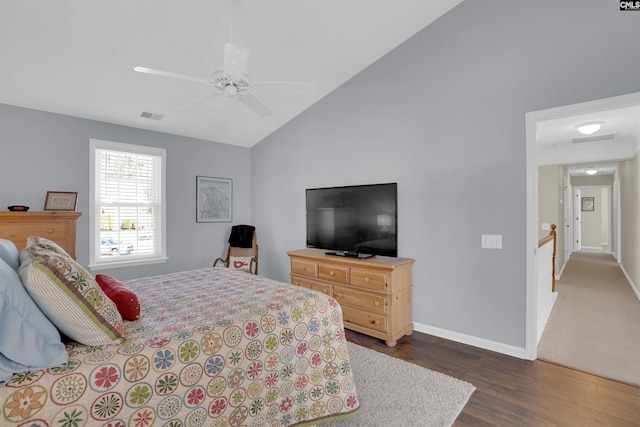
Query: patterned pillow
x: 41, y: 242
x: 70, y: 297
x: 244, y: 263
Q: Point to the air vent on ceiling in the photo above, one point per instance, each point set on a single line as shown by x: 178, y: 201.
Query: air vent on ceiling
x: 607, y: 137
x: 152, y: 116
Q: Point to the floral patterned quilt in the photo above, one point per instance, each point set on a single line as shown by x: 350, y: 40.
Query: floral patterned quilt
x: 215, y: 347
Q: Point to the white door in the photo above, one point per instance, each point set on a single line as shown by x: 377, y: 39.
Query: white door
x: 577, y: 214
x: 568, y: 215
x: 617, y: 216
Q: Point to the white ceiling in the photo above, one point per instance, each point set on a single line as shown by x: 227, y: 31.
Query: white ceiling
x: 76, y: 57
x: 618, y: 138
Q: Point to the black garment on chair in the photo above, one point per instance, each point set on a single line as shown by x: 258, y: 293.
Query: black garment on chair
x: 242, y: 236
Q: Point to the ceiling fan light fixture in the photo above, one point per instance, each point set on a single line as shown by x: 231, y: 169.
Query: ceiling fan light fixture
x: 591, y: 170
x: 230, y: 90
x: 589, y: 128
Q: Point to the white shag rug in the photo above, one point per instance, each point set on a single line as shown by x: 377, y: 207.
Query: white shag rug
x: 396, y: 393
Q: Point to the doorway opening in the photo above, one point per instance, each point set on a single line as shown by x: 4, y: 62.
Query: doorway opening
x: 590, y: 152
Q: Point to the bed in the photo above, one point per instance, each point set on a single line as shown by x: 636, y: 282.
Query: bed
x: 213, y: 346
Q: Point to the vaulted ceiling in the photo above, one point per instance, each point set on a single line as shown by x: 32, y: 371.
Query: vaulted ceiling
x: 77, y: 57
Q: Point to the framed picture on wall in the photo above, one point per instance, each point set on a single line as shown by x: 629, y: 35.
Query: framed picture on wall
x: 214, y: 200
x: 587, y: 204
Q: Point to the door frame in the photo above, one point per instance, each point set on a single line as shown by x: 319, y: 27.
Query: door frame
x: 610, y: 208
x: 568, y: 219
x: 577, y: 220
x: 616, y: 216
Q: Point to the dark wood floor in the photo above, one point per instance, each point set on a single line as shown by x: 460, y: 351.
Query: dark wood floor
x: 516, y: 392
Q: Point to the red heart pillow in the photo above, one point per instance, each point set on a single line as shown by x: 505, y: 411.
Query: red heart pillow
x: 124, y: 298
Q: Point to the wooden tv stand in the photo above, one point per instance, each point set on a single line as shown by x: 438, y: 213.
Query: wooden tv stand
x: 374, y: 293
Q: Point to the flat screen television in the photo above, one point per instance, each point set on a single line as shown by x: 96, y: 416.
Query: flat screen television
x: 355, y: 221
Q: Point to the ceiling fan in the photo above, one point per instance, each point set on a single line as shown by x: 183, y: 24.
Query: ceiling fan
x: 232, y: 82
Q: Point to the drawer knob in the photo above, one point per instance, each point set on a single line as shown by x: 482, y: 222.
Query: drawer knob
x: 375, y: 322
x: 331, y: 273
x: 51, y: 230
x: 377, y: 303
x: 366, y: 279
x: 338, y: 294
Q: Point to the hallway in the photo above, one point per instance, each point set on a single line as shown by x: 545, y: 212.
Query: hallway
x: 595, y: 323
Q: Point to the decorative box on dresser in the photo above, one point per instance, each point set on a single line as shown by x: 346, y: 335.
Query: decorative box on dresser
x: 374, y: 293
x: 57, y: 226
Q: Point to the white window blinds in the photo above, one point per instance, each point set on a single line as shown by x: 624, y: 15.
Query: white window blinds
x: 128, y: 204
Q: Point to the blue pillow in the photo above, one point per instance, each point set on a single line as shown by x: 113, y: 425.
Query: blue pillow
x: 9, y: 253
x: 29, y: 341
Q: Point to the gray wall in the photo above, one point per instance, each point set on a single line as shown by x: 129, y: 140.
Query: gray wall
x: 629, y: 172
x: 444, y: 116
x: 41, y: 151
x: 591, y: 234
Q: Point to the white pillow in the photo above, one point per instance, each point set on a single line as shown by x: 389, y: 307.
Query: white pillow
x: 9, y: 253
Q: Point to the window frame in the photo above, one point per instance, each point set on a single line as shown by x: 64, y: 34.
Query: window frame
x: 95, y: 260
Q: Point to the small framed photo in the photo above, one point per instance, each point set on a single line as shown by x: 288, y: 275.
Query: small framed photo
x: 214, y: 201
x: 61, y: 201
x: 587, y: 204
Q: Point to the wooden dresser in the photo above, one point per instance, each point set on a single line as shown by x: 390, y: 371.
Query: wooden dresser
x: 374, y: 293
x: 55, y: 225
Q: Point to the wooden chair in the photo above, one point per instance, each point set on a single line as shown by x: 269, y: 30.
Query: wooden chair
x: 243, y: 258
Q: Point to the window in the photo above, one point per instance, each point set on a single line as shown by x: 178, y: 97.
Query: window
x: 127, y: 211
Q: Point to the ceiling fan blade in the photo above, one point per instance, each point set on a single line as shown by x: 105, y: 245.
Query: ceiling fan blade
x: 198, y: 101
x: 254, y: 103
x: 235, y: 61
x: 161, y: 73
x: 299, y: 88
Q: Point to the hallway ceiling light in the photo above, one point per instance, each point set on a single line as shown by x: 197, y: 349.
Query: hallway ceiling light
x: 591, y: 170
x: 589, y: 128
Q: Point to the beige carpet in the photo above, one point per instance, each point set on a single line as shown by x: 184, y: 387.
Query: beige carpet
x: 395, y: 393
x: 595, y: 324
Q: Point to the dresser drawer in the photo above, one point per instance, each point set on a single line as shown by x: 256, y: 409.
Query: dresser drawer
x: 304, y: 268
x: 373, y: 321
x: 333, y: 273
x: 19, y: 231
x: 366, y: 301
x: 369, y: 279
x: 320, y: 287
x: 375, y: 293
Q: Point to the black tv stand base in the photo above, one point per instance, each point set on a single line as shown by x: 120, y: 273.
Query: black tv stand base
x: 349, y: 254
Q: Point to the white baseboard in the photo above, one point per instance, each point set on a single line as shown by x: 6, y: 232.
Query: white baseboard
x: 593, y: 248
x: 634, y: 288
x: 509, y: 350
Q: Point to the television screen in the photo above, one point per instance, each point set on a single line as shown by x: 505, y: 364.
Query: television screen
x: 360, y: 219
